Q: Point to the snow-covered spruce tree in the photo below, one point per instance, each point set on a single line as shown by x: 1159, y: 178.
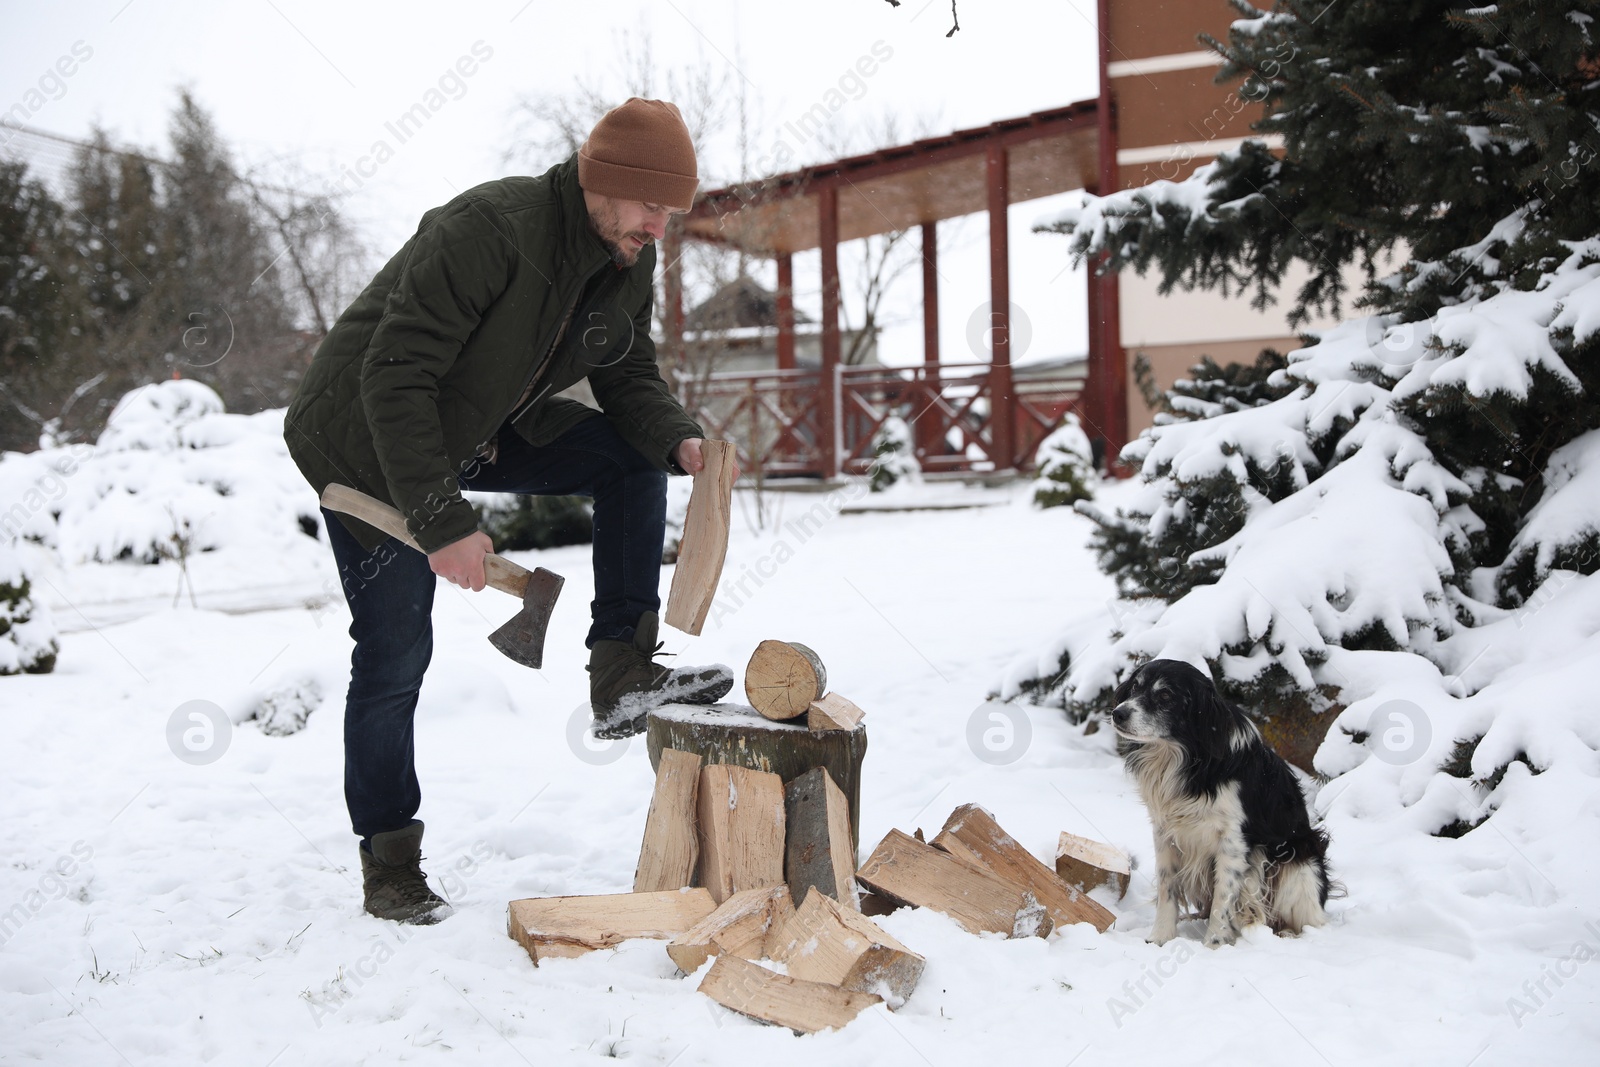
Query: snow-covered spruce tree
x: 27, y: 634
x: 1064, y: 467
x: 894, y: 456
x: 1409, y: 475
x: 1160, y: 561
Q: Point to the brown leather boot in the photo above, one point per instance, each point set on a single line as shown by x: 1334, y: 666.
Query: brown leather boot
x: 392, y: 881
x: 625, y: 682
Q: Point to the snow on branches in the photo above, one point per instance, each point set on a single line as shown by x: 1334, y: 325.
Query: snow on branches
x: 1389, y: 522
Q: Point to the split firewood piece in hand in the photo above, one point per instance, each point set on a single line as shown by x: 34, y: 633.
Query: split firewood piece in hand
x: 820, y: 850
x: 743, y: 925
x: 972, y: 833
x: 741, y: 829
x: 826, y: 942
x: 671, y: 846
x: 704, y: 546
x: 783, y: 678
x: 571, y: 926
x: 833, y: 712
x: 974, y: 896
x: 750, y: 989
x: 1086, y: 863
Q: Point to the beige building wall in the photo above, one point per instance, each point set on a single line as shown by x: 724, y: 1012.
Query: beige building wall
x: 1175, y: 330
x: 1172, y: 117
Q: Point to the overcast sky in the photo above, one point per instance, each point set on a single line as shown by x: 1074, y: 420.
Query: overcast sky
x: 312, y: 85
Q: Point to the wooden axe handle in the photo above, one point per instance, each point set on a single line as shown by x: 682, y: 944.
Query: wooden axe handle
x: 501, y: 573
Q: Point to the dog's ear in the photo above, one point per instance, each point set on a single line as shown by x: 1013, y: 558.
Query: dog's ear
x: 1218, y: 720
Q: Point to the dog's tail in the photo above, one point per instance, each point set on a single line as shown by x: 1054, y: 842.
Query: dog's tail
x: 1298, y: 895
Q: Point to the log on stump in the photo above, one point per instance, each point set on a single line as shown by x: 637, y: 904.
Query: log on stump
x: 750, y: 989
x: 571, y: 926
x: 820, y: 851
x: 734, y: 734
x: 704, y: 545
x: 1086, y: 863
x: 783, y: 678
x: 972, y: 833
x: 980, y: 900
x: 827, y: 942
x: 741, y: 830
x: 671, y: 847
x: 833, y: 712
x: 744, y: 926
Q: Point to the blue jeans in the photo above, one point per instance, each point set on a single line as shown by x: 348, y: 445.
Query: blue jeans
x: 390, y: 593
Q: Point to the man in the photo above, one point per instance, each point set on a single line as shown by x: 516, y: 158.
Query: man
x: 443, y: 375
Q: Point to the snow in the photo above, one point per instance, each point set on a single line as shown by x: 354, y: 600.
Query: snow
x: 1568, y: 514
x: 157, y: 909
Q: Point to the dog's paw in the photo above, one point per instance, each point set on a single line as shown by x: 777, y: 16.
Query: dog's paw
x: 1218, y: 938
x: 1159, y: 936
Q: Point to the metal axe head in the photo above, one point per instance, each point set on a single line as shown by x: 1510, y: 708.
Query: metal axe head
x: 522, y: 637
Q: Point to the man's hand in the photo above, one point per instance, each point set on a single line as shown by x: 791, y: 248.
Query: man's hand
x: 690, y: 459
x: 461, y: 562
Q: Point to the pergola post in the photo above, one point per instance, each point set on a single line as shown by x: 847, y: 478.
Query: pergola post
x: 1108, y: 373
x: 925, y: 431
x: 1002, y: 416
x: 827, y: 416
x: 785, y: 311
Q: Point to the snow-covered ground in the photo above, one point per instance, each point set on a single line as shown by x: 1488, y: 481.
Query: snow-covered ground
x: 161, y: 910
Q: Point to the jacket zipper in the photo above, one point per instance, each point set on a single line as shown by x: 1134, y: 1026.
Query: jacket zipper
x: 549, y: 353
x: 568, y: 318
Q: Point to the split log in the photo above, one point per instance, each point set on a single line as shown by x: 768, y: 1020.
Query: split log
x: 735, y: 734
x: 741, y: 830
x: 744, y: 926
x: 827, y: 942
x: 571, y: 926
x: 750, y: 989
x: 833, y: 712
x: 783, y: 678
x: 1086, y: 863
x: 704, y: 546
x: 671, y: 846
x: 906, y: 869
x: 973, y: 834
x: 820, y: 851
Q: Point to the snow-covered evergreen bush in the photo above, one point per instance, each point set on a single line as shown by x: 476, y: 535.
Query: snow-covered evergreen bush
x: 27, y: 633
x: 172, y: 463
x: 1064, y: 467
x: 894, y: 456
x: 1380, y: 519
x: 516, y: 522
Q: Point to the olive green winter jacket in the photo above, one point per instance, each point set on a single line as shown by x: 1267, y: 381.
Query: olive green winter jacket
x: 420, y: 371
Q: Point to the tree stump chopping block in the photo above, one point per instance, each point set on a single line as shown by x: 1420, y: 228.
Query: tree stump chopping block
x: 737, y: 735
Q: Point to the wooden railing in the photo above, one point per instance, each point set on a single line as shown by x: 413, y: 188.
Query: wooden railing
x: 799, y: 423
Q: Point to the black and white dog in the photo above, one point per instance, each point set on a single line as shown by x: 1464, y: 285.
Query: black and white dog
x: 1233, y: 840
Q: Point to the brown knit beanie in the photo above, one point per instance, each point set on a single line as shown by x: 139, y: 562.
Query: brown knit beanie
x: 640, y: 151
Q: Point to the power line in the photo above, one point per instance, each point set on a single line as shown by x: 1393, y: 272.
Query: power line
x: 59, y: 154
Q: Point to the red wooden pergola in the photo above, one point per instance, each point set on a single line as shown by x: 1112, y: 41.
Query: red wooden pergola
x: 986, y: 410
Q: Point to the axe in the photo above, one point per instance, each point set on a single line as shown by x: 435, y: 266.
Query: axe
x: 522, y: 637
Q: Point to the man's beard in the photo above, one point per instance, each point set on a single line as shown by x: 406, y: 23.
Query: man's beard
x: 609, y: 229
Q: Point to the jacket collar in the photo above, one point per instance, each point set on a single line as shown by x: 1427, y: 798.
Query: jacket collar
x: 580, y: 244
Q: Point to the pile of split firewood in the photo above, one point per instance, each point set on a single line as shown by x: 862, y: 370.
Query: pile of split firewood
x: 749, y: 854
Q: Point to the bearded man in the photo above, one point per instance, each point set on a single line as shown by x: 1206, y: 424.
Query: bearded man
x: 443, y: 375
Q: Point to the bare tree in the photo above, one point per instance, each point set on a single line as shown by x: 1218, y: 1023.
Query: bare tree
x: 549, y: 127
x: 322, y: 260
